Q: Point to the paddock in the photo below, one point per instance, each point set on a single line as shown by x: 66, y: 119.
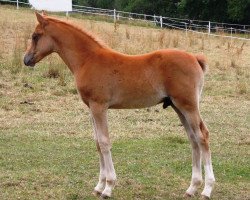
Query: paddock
x: 43, y: 156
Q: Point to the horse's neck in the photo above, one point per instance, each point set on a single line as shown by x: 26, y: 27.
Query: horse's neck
x: 75, y: 47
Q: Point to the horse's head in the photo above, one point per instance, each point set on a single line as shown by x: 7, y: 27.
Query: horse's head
x: 42, y: 43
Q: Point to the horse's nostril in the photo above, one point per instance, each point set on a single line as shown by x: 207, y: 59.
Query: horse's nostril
x: 28, y: 59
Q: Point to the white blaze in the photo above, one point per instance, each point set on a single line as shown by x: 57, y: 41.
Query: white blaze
x: 52, y: 5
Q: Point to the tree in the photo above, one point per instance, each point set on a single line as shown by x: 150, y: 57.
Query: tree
x: 105, y: 4
x: 230, y: 11
x: 79, y: 2
x: 239, y: 11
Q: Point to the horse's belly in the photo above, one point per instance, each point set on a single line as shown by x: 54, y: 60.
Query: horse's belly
x: 143, y: 90
x: 136, y: 101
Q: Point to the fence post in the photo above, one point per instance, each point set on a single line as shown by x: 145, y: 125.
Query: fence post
x: 114, y: 15
x: 161, y: 21
x: 186, y: 28
x: 231, y: 33
x: 209, y: 27
x: 17, y: 4
x: 155, y: 20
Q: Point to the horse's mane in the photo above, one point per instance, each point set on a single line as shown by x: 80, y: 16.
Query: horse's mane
x: 80, y: 29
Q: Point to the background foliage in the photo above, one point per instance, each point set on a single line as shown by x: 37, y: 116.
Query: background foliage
x: 231, y: 11
x: 227, y: 11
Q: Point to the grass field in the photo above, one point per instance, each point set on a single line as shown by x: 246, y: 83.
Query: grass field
x: 46, y: 145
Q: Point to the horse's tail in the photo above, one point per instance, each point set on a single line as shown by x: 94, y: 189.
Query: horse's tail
x: 202, y: 62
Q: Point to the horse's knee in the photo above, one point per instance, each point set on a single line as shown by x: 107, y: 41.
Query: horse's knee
x: 104, y: 146
x: 98, y: 146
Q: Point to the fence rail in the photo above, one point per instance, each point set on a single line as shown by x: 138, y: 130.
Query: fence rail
x: 216, y: 29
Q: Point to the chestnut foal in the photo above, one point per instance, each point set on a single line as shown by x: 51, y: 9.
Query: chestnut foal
x: 108, y: 79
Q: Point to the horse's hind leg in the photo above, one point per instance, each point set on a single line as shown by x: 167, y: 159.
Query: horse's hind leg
x: 196, y: 156
x: 209, y: 174
x: 198, y: 135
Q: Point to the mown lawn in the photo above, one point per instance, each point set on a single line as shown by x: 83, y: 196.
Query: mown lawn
x: 46, y: 145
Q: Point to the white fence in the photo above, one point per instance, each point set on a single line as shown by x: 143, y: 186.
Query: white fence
x: 236, y: 31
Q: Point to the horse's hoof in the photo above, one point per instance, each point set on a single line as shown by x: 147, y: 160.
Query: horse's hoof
x: 186, y: 195
x: 205, y: 197
x: 105, y: 196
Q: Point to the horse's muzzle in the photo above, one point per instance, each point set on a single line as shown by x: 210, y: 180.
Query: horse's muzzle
x: 28, y: 60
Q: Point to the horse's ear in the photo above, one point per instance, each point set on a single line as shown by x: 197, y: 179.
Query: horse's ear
x: 44, y: 13
x: 40, y: 18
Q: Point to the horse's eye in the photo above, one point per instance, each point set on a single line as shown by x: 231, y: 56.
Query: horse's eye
x: 35, y: 37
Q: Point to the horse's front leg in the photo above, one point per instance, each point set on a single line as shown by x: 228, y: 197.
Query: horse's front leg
x: 99, y: 114
x: 102, y: 177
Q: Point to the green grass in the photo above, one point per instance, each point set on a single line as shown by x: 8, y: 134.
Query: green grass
x: 46, y: 145
x: 36, y: 165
